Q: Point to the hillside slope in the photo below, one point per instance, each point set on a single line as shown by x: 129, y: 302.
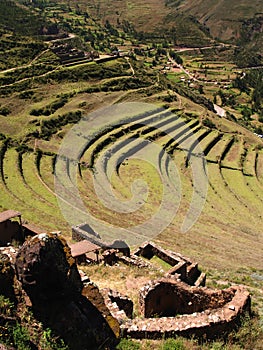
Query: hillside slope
x: 185, y: 22
x: 18, y: 18
x: 150, y: 16
x: 223, y: 18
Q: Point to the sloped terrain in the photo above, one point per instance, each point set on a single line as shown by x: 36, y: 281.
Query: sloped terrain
x: 223, y: 18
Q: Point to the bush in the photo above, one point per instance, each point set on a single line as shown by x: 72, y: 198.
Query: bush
x: 5, y: 111
x: 2, y: 136
x: 21, y: 338
x: 51, y: 108
x: 51, y: 126
x: 6, y: 307
x: 50, y: 341
x: 209, y: 124
x: 127, y: 344
x: 173, y: 344
x: 26, y: 94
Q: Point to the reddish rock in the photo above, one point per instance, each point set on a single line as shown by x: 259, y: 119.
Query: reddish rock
x: 50, y: 277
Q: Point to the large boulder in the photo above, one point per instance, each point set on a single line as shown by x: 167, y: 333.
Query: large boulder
x: 50, y: 277
x: 47, y: 270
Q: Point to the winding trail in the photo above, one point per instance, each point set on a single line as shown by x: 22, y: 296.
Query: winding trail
x: 131, y: 67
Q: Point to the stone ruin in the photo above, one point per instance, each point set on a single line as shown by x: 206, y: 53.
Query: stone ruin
x: 176, y: 304
x: 106, y: 251
x: 181, y: 267
x: 217, y: 312
x: 69, y: 303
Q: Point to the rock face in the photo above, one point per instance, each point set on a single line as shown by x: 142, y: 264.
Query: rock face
x: 51, y: 279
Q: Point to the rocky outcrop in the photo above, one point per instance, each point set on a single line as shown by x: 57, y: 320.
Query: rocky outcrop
x: 47, y: 271
x: 50, y: 277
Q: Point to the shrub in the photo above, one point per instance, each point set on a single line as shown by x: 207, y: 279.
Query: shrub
x: 5, y: 111
x: 51, y: 108
x: 209, y: 124
x: 50, y: 341
x: 2, y: 136
x: 51, y: 126
x: 21, y: 337
x: 173, y: 344
x: 26, y: 94
x: 6, y: 307
x: 217, y: 346
x: 127, y: 344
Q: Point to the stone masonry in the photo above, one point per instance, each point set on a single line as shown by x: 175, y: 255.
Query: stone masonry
x: 215, y: 317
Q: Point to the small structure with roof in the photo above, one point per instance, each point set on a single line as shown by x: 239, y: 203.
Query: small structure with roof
x: 85, y: 252
x: 13, y: 229
x: 10, y: 229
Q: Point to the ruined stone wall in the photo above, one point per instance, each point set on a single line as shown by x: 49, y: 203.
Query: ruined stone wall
x: 170, y: 297
x: 210, y: 323
x: 120, y: 306
x: 149, y: 249
x: 188, y: 270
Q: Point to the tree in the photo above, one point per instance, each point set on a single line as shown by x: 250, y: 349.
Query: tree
x: 176, y: 57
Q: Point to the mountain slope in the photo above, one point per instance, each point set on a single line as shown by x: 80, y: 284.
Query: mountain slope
x: 17, y: 18
x: 224, y: 18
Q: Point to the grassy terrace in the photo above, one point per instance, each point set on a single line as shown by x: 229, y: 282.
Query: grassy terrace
x: 42, y: 210
x: 30, y: 186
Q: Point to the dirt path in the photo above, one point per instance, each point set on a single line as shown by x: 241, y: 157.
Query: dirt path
x: 25, y: 65
x: 34, y: 77
x: 182, y: 49
x: 131, y: 67
x: 70, y: 36
x: 186, y: 71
